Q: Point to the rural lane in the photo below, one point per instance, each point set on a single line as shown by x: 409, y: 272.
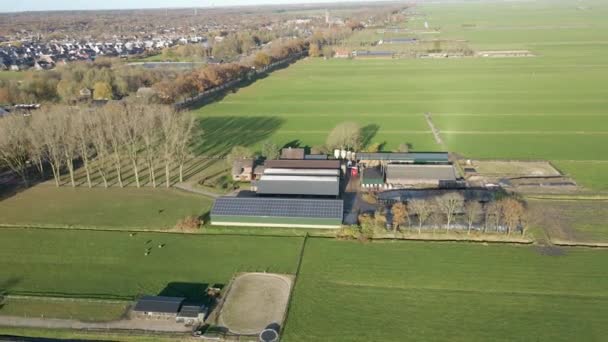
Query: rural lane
x: 129, y: 324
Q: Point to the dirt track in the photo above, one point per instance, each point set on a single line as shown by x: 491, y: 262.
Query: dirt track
x: 255, y: 300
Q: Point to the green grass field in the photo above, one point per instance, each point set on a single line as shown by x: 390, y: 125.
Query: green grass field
x: 552, y: 106
x: 101, y: 264
x: 64, y: 309
x: 572, y: 221
x: 409, y: 291
x: 114, y: 208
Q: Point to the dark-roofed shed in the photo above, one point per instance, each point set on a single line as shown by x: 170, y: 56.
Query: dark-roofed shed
x: 159, y: 306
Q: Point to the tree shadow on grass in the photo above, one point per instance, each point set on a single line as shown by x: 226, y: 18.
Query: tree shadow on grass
x: 221, y: 134
x: 368, y: 133
x: 195, y: 293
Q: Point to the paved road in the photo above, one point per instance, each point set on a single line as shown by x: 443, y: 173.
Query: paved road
x: 129, y: 324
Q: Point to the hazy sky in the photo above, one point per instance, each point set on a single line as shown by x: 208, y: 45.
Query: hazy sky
x: 46, y: 5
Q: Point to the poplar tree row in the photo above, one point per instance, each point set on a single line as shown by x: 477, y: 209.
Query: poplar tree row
x: 109, y: 140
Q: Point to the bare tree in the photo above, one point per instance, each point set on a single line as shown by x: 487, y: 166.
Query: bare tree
x: 151, y: 136
x: 449, y: 204
x: 184, y: 127
x: 130, y: 127
x: 493, y: 215
x: 472, y: 212
x: 167, y: 125
x: 513, y: 213
x: 346, y: 135
x: 48, y: 127
x: 83, y: 132
x: 70, y: 139
x: 423, y: 210
x: 36, y: 146
x: 14, y: 144
x: 101, y: 144
x: 400, y: 215
x: 113, y: 133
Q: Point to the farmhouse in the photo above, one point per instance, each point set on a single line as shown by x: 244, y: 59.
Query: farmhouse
x: 408, y: 174
x: 242, y: 170
x: 277, y: 212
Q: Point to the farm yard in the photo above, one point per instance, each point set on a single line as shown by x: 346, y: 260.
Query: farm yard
x: 412, y: 291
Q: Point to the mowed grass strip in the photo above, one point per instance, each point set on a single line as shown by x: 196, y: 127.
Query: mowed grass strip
x: 114, y: 208
x: 408, y: 291
x: 106, y: 264
x: 91, y: 311
x: 44, y: 334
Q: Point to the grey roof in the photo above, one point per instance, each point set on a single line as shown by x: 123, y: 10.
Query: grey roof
x: 278, y: 207
x: 413, y: 157
x: 409, y: 172
x: 298, y: 185
x: 399, y: 40
x: 191, y: 311
x: 303, y: 164
x: 373, y: 53
x: 302, y: 172
x: 158, y: 304
x: 315, y: 156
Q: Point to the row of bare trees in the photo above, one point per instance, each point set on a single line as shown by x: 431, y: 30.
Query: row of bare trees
x: 104, y: 140
x: 452, y: 212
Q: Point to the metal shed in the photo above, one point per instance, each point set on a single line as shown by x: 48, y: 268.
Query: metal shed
x: 405, y: 157
x: 158, y: 306
x: 407, y: 174
x: 298, y: 185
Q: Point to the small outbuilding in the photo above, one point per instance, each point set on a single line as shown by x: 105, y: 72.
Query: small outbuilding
x: 293, y: 153
x: 242, y: 170
x: 159, y: 307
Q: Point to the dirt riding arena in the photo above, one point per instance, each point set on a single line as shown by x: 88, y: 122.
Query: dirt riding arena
x: 254, y: 301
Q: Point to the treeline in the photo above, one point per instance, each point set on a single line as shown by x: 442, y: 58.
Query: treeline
x: 108, y: 140
x: 194, y: 82
x: 450, y: 212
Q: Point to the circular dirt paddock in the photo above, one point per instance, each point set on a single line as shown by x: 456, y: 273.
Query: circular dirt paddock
x: 254, y: 301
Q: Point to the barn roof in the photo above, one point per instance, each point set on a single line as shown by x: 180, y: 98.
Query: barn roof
x: 396, y: 172
x: 278, y: 207
x: 302, y: 164
x: 413, y: 157
x: 298, y: 185
x: 158, y: 304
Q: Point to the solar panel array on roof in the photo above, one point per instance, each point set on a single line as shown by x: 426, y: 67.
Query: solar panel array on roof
x: 275, y: 207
